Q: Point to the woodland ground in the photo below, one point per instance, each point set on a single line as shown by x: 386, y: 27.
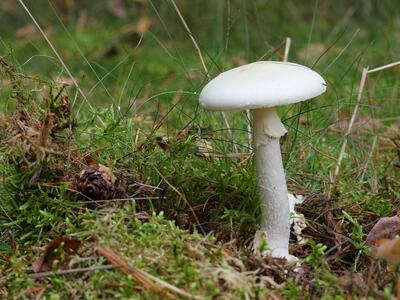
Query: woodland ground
x: 130, y: 190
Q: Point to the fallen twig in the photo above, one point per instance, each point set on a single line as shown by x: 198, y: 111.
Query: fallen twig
x: 288, y: 42
x: 397, y: 63
x: 363, y: 81
x: 147, y: 280
x: 71, y: 271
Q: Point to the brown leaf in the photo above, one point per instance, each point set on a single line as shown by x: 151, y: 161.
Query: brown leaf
x: 163, y: 142
x: 27, y: 31
x: 389, y: 250
x: 52, y: 253
x: 30, y: 32
x: 390, y: 138
x: 107, y: 174
x: 385, y: 228
x: 352, y: 282
x: 238, y: 61
x: 117, y: 8
x: 304, y: 120
x: 90, y: 160
x: 341, y: 120
x: 143, y: 25
x: 140, y: 27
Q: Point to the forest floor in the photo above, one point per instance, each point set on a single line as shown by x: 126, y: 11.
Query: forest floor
x: 126, y: 188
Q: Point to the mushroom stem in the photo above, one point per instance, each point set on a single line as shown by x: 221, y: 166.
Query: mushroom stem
x: 275, y: 227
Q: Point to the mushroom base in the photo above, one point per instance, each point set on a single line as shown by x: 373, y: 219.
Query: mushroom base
x: 275, y: 224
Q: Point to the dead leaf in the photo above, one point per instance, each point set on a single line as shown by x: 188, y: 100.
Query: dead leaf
x: 304, y: 120
x: 341, y: 120
x: 163, y: 142
x: 352, y: 282
x: 367, y: 123
x: 26, y: 31
x: 385, y: 228
x: 29, y: 32
x: 143, y: 25
x: 389, y: 250
x: 238, y: 61
x: 90, y: 160
x: 107, y: 174
x: 9, y: 7
x: 81, y: 23
x: 117, y: 8
x: 140, y: 27
x: 60, y: 249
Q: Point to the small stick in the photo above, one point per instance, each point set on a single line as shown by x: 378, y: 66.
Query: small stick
x: 120, y: 262
x: 288, y: 42
x: 384, y: 67
x: 364, y: 76
x: 118, y: 200
x: 147, y: 280
x: 71, y: 271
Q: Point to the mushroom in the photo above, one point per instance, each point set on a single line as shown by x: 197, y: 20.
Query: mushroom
x: 261, y: 86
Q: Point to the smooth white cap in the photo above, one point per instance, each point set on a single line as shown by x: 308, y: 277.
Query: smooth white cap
x: 261, y: 84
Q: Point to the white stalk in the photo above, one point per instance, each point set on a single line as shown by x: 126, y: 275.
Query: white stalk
x: 275, y: 224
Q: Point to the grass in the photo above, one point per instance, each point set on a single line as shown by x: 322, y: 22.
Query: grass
x: 146, y: 92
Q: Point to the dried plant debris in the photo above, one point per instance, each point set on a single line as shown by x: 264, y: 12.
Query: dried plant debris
x: 341, y: 121
x: 37, y: 127
x: 170, y: 251
x: 56, y: 254
x: 98, y: 182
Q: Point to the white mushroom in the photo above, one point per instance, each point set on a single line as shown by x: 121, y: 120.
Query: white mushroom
x: 261, y: 86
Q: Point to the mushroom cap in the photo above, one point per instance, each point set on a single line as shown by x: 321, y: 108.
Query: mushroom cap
x: 261, y: 84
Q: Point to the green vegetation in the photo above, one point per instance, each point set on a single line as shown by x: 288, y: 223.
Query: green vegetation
x: 187, y: 205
